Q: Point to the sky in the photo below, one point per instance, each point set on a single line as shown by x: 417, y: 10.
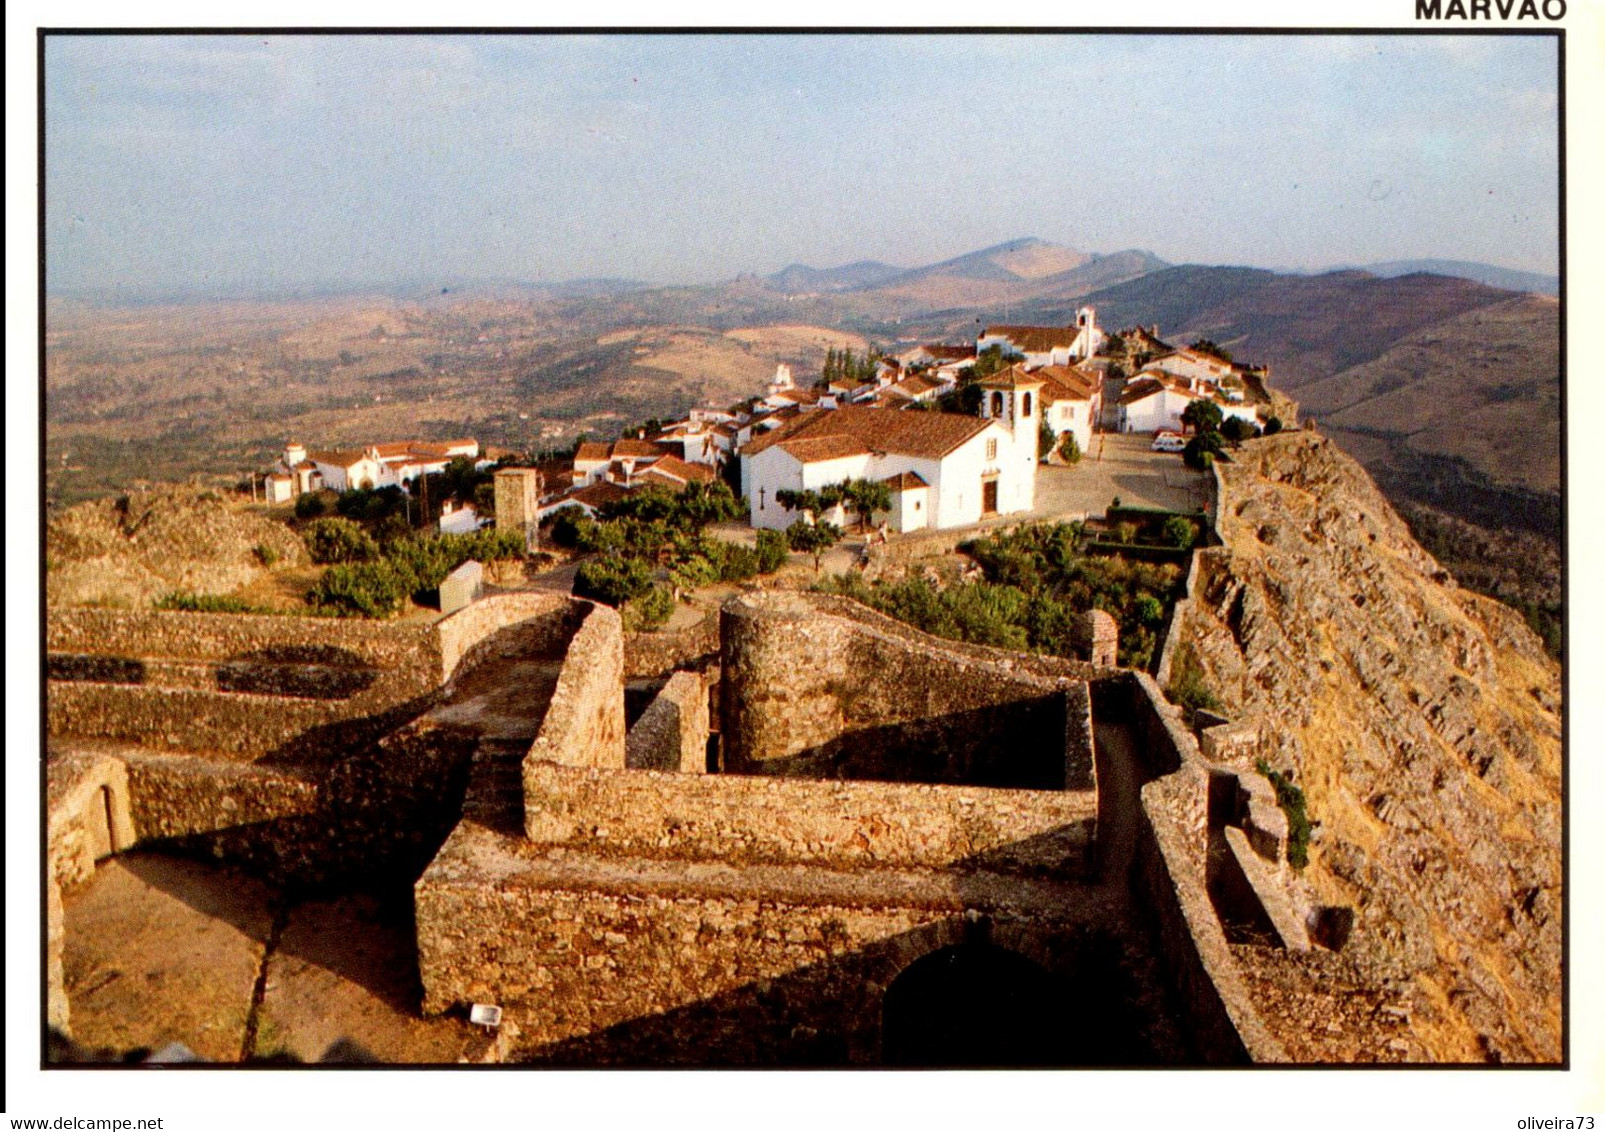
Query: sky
x: 233, y: 164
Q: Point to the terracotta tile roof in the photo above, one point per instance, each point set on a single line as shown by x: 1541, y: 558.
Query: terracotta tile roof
x: 905, y: 481
x: 679, y: 469
x: 278, y: 477
x: 949, y: 353
x: 338, y: 457
x: 628, y: 447
x: 1035, y: 339
x: 928, y: 435
x: 811, y: 450
x: 591, y: 450
x: 1066, y: 383
x: 914, y: 386
x: 595, y: 495
x: 1015, y: 377
x: 1145, y: 387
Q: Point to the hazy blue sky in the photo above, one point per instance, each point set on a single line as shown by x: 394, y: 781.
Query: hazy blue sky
x: 240, y: 163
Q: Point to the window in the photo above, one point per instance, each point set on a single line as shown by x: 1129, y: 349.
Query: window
x: 916, y: 505
x: 997, y: 404
x: 760, y: 499
x: 1025, y: 405
x: 991, y: 448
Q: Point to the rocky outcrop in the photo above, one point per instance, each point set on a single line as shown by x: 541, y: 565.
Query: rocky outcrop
x: 1423, y: 723
x: 128, y: 552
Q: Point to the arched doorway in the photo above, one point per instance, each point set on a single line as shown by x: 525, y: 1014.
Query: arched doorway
x: 976, y: 1004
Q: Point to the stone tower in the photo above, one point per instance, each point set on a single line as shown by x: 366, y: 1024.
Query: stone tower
x: 518, y: 500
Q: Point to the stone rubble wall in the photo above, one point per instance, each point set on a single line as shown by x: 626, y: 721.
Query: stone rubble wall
x: 178, y: 795
x: 672, y: 734
x: 847, y: 825
x: 821, y: 687
x: 1172, y: 876
x: 506, y: 626
x: 652, y: 654
x: 250, y: 685
x: 72, y: 800
x: 584, y: 724
x: 292, y: 664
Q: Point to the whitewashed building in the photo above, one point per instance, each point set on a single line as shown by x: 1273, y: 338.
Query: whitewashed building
x: 1155, y: 401
x: 968, y: 467
x: 1072, y: 400
x: 1047, y: 345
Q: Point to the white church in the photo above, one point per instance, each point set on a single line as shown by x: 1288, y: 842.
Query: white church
x: 944, y: 469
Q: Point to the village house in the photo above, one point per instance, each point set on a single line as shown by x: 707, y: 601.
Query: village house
x: 959, y: 469
x: 1157, y: 401
x: 394, y: 464
x: 1072, y: 401
x: 1038, y: 346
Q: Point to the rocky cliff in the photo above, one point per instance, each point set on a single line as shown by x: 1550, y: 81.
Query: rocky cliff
x: 1423, y: 723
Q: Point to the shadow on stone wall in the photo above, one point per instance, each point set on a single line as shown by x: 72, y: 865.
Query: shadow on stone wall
x: 966, y: 1001
x: 321, y: 672
x: 379, y: 818
x: 1017, y: 745
x: 82, y: 668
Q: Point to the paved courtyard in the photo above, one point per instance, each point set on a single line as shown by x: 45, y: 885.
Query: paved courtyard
x: 1119, y: 465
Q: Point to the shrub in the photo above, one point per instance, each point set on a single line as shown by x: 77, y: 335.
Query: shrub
x: 1291, y: 799
x: 338, y: 540
x: 362, y: 589
x: 739, y: 563
x: 184, y: 601
x: 1180, y: 532
x: 1150, y: 610
x: 309, y: 506
x: 1069, y: 449
x: 1237, y: 430
x: 650, y: 610
x: 1273, y: 425
x: 566, y: 526
x: 612, y: 579
x: 772, y: 551
x: 1187, y: 687
x: 266, y: 555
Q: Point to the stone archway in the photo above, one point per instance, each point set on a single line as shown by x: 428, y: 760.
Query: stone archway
x: 976, y: 1004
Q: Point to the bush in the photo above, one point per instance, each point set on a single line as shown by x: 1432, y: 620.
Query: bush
x: 1150, y: 610
x: 1237, y: 430
x: 362, y: 589
x: 772, y: 551
x: 1069, y: 449
x: 650, y: 610
x: 613, y: 580
x: 566, y: 526
x: 183, y: 601
x: 1273, y: 425
x: 338, y: 540
x: 309, y: 506
x: 1180, y: 532
x: 739, y: 563
x: 266, y: 555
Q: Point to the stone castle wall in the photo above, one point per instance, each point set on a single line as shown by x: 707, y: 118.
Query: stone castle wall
x: 821, y: 687
x: 672, y: 734
x: 584, y: 724
x: 782, y: 821
x: 249, y: 685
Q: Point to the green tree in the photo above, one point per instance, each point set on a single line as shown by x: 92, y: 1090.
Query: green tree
x: 1069, y: 448
x: 338, y: 540
x: 1237, y: 430
x: 1273, y: 425
x: 309, y: 505
x: 866, y: 497
x: 1046, y: 439
x: 612, y: 579
x: 813, y: 538
x: 1202, y: 449
x: 1203, y: 414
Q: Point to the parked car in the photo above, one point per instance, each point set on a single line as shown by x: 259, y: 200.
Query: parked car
x: 1167, y: 441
